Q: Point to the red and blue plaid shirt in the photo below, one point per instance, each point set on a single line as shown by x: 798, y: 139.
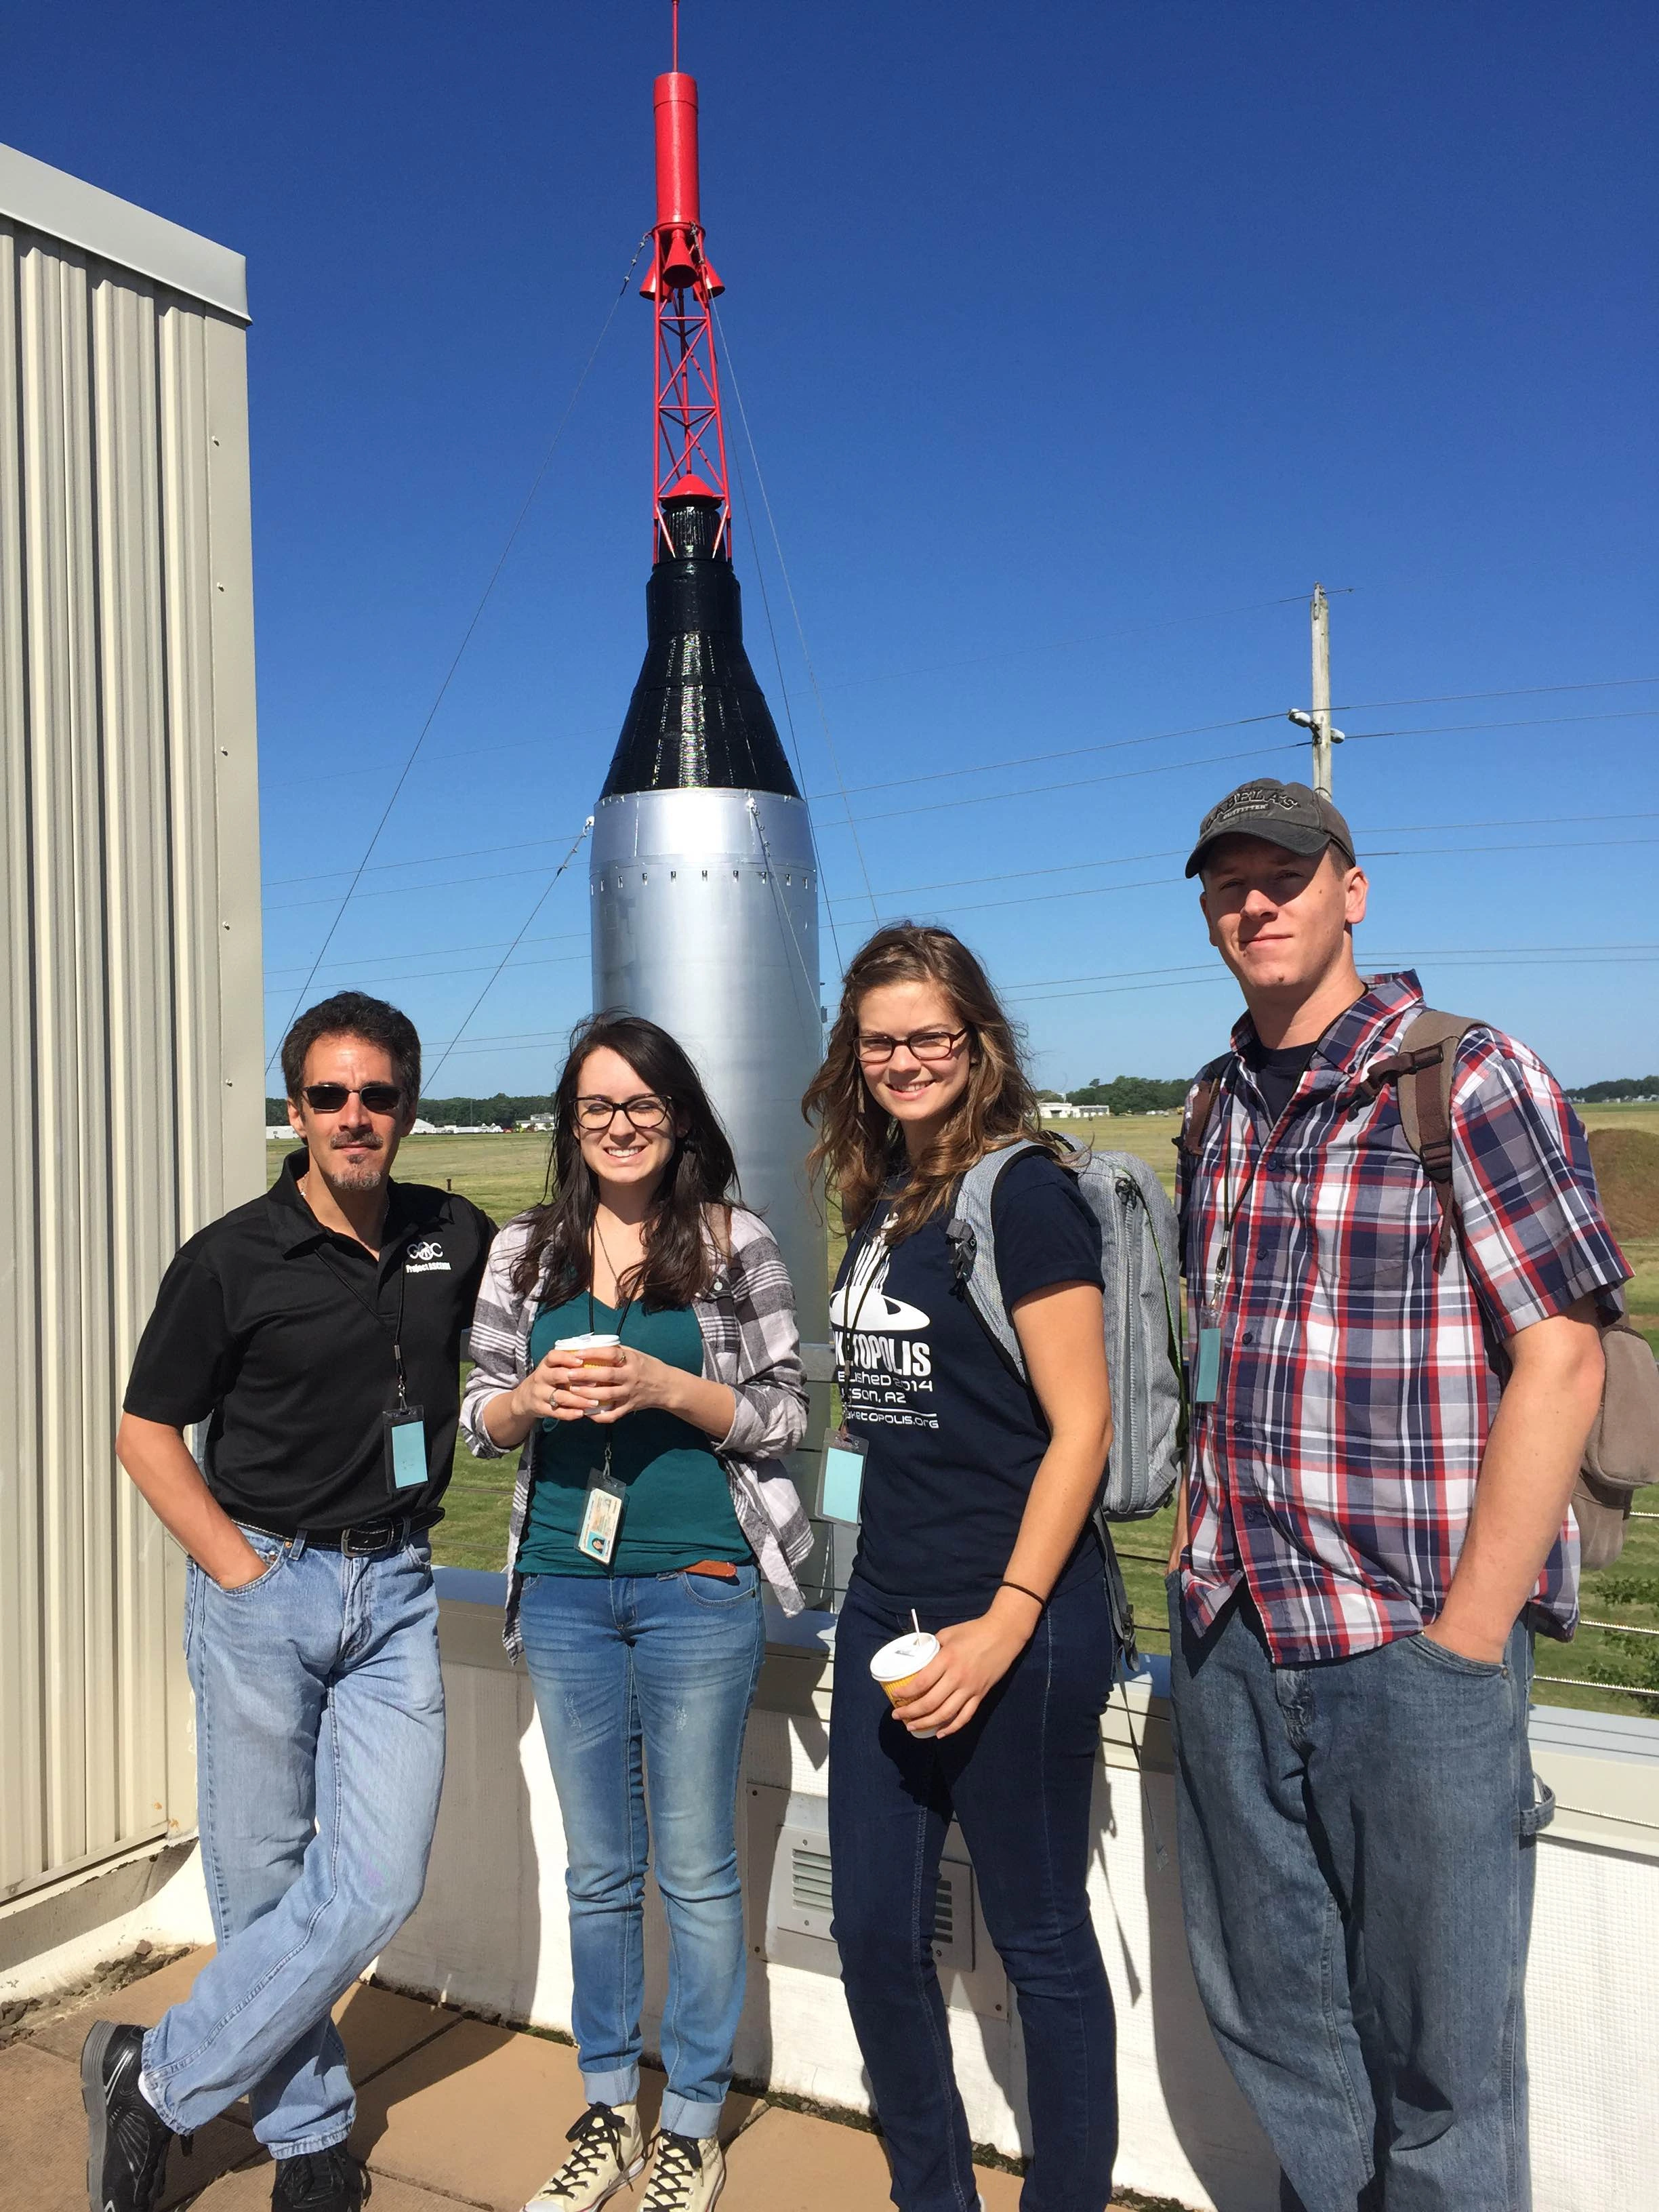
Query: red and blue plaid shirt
x: 1335, y: 1470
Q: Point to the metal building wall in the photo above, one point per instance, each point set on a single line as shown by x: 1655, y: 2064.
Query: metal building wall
x: 132, y: 1089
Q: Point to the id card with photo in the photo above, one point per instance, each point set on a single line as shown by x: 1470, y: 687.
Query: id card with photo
x: 601, y: 1520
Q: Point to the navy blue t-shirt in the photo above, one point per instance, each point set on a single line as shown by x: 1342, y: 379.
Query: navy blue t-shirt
x: 954, y: 1437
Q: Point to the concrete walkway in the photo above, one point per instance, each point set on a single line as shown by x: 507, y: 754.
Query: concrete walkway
x: 450, y: 2111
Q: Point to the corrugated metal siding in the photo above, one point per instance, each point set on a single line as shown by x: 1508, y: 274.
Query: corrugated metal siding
x: 130, y: 995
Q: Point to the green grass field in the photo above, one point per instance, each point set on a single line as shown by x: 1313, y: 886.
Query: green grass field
x: 505, y: 1173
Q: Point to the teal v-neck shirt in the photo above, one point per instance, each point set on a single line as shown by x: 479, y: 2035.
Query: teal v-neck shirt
x: 679, y: 1502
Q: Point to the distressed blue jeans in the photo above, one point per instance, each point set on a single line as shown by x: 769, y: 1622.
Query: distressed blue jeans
x: 1356, y: 1861
x: 319, y: 1753
x: 638, y: 1678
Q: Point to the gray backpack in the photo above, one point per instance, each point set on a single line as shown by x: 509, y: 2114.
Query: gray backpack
x: 1140, y: 1262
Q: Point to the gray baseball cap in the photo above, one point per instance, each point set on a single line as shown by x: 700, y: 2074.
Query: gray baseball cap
x: 1287, y: 814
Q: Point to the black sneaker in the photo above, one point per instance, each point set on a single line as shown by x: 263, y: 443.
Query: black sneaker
x: 128, y: 2140
x: 319, y: 2181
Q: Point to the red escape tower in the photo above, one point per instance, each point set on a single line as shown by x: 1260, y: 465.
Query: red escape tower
x: 690, y: 446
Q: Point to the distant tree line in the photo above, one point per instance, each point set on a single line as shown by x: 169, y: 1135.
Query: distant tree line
x: 1622, y: 1086
x: 1132, y: 1094
x: 498, y: 1109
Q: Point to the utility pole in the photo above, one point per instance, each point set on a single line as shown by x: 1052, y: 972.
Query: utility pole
x: 1319, y: 722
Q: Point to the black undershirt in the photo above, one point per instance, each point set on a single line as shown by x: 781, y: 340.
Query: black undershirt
x: 1277, y: 1073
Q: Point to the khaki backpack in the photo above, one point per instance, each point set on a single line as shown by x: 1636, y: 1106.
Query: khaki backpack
x: 1621, y: 1454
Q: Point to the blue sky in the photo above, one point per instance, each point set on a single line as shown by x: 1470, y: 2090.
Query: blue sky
x: 1076, y: 341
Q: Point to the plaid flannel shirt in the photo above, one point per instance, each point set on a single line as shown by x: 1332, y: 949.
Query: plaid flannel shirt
x: 750, y: 1342
x: 1335, y: 1470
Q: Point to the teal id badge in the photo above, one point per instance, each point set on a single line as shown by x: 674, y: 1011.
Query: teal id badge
x: 405, y: 1448
x: 1207, y: 1386
x: 842, y: 1481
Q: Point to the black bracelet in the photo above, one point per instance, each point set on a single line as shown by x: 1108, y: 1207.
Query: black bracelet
x: 1005, y: 1584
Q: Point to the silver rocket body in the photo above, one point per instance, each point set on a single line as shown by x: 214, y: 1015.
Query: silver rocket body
x: 705, y: 919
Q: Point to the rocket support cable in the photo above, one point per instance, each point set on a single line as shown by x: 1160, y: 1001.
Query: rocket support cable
x: 794, y: 609
x: 496, y: 974
x: 783, y: 687
x: 813, y: 989
x: 466, y: 640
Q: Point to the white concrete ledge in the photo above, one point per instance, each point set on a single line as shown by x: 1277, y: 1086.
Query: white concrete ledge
x: 491, y: 1930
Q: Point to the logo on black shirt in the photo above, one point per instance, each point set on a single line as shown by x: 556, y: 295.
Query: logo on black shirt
x: 425, y: 1256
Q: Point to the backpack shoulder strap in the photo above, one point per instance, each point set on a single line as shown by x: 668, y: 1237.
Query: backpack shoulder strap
x: 970, y: 1233
x: 1200, y: 1105
x: 1424, y: 1068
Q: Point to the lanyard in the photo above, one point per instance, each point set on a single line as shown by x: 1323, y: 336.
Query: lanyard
x: 622, y: 1312
x: 863, y: 1235
x: 1231, y: 1207
x: 370, y: 1306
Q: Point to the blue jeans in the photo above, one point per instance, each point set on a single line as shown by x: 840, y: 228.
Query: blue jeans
x: 1356, y: 1863
x: 1019, y: 1780
x: 666, y: 1665
x: 320, y: 1751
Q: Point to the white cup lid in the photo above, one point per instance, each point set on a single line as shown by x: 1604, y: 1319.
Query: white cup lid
x: 586, y: 1343
x: 906, y: 1655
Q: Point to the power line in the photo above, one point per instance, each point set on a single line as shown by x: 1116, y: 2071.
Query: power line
x: 1212, y: 760
x: 466, y: 638
x: 1070, y: 752
x: 443, y: 951
x: 488, y: 852
x: 1176, y: 852
x: 1111, y: 980
x: 1019, y: 875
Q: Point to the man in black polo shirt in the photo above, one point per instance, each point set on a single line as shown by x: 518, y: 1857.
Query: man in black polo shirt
x: 317, y: 1332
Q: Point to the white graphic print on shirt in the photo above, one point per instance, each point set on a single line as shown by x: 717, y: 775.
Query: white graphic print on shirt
x: 883, y: 1355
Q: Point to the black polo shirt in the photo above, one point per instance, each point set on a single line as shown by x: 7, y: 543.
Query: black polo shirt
x: 278, y: 1333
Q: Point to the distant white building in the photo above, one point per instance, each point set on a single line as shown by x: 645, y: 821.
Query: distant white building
x: 1061, y: 1110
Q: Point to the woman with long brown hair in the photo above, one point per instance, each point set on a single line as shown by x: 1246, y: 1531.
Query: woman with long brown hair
x: 974, y: 1526
x: 649, y: 1507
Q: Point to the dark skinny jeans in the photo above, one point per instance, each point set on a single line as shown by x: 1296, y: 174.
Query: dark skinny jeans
x: 1018, y: 1780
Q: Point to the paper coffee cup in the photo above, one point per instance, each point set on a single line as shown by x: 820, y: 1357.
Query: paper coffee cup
x: 594, y: 1341
x: 896, y: 1665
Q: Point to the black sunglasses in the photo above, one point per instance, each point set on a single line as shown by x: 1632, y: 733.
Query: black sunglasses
x: 328, y: 1098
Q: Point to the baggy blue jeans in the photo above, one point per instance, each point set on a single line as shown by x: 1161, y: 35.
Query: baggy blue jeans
x: 658, y: 1672
x: 319, y: 1752
x: 1356, y: 1863
x: 1019, y: 1781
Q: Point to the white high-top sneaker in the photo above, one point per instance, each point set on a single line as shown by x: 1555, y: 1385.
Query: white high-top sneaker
x: 608, y: 2149
x: 688, y: 2172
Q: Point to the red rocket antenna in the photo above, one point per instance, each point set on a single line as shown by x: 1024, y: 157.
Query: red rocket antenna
x: 691, y: 434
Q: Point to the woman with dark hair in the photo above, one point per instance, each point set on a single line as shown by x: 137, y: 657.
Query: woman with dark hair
x: 649, y: 1491
x: 976, y: 1496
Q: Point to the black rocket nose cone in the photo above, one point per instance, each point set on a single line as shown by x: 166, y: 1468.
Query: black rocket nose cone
x: 697, y: 717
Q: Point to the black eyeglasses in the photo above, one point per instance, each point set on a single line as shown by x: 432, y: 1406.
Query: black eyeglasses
x: 648, y: 1115
x: 926, y: 1044
x: 328, y: 1098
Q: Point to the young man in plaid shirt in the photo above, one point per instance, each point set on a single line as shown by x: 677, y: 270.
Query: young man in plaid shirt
x: 1385, y: 1437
